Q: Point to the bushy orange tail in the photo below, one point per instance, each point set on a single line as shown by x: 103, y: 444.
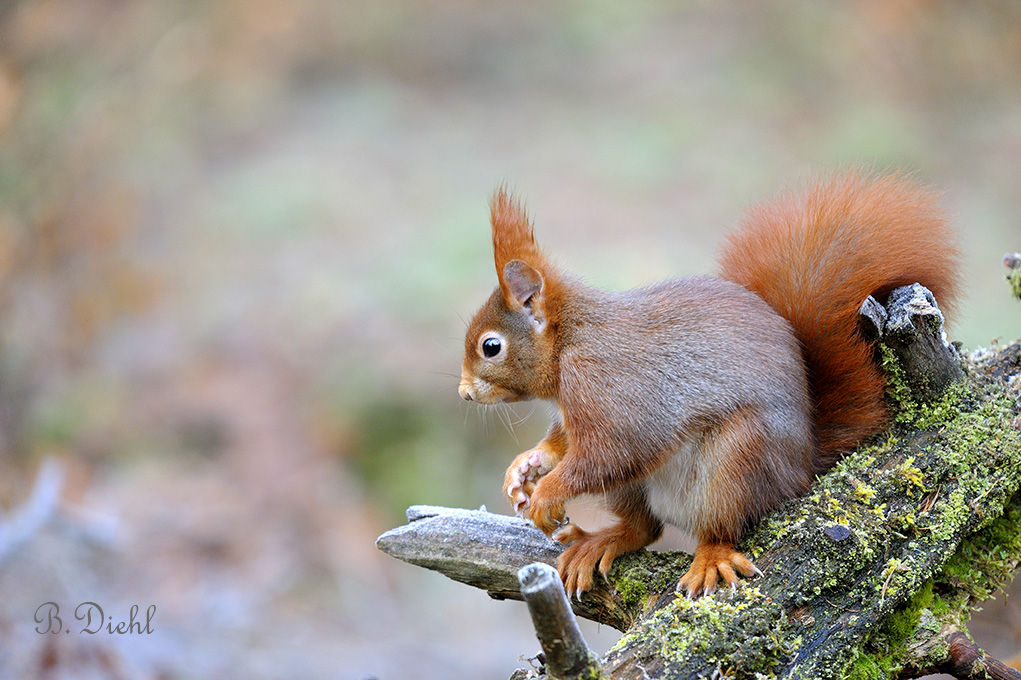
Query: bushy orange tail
x: 815, y: 257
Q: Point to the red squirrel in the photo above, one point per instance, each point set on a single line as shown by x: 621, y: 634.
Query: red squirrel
x: 702, y: 402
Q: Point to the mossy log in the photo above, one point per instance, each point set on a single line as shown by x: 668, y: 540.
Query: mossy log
x: 871, y: 574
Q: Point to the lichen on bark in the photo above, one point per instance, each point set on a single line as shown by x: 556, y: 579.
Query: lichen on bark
x: 878, y: 550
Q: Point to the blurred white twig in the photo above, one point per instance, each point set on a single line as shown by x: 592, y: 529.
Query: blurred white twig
x: 21, y: 524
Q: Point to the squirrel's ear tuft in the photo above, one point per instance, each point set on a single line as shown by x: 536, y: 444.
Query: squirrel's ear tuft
x: 512, y: 235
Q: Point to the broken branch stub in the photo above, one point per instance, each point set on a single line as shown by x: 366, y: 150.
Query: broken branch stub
x: 567, y: 655
x: 911, y: 327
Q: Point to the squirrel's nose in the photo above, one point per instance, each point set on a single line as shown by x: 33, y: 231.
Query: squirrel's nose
x: 464, y: 389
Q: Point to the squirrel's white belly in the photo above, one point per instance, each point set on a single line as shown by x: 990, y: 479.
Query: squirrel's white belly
x: 676, y: 491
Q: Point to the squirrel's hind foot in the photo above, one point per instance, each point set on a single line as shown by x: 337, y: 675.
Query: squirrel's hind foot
x: 714, y: 561
x: 598, y: 549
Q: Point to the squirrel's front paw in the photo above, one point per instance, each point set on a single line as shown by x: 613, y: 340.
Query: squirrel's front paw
x: 546, y: 507
x: 524, y: 473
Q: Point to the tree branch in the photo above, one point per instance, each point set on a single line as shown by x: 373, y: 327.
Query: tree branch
x: 867, y: 538
x: 486, y: 551
x: 567, y: 656
x: 968, y: 661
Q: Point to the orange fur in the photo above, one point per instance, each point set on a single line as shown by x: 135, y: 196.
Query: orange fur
x: 815, y: 259
x: 740, y: 494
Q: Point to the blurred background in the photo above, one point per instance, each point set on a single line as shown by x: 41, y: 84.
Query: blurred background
x: 239, y: 242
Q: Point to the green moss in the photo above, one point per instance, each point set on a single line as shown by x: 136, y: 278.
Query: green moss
x: 912, y: 476
x: 977, y: 450
x: 639, y: 575
x: 940, y: 607
x: 894, y: 568
x: 884, y: 654
x: 864, y: 666
x: 864, y: 493
x: 986, y: 561
x: 704, y: 630
x: 594, y: 670
x: 983, y: 459
x: 945, y: 409
x: 972, y: 476
x: 632, y: 591
x: 898, y: 391
x: 903, y: 622
x: 910, y: 411
x: 1014, y: 279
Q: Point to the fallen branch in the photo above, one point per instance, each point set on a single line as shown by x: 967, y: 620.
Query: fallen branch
x: 873, y: 533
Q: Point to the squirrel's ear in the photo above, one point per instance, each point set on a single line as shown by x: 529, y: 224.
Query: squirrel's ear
x: 523, y: 289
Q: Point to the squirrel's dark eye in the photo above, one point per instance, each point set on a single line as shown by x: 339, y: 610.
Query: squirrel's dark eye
x: 491, y: 347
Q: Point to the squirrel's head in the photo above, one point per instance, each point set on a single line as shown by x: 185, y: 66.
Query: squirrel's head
x: 509, y: 350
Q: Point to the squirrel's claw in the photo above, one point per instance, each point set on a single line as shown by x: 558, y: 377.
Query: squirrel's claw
x: 518, y: 498
x: 715, y: 561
